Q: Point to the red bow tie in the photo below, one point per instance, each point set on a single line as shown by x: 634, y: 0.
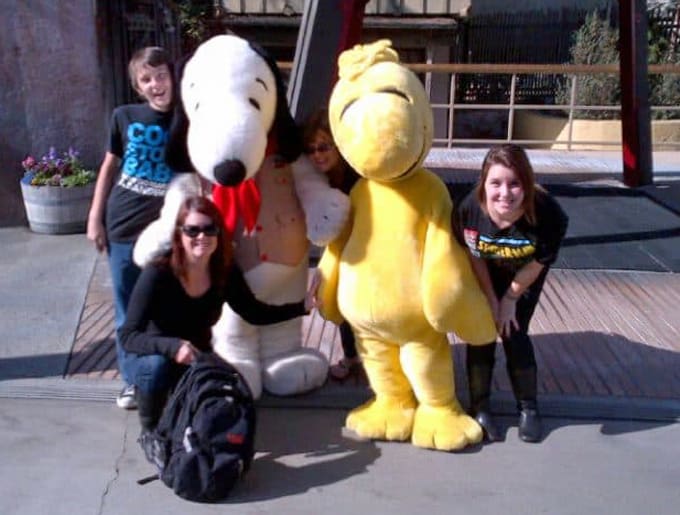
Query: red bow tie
x: 241, y: 201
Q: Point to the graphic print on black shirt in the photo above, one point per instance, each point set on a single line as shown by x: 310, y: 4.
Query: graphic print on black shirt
x: 507, y: 250
x: 138, y: 137
x: 143, y: 169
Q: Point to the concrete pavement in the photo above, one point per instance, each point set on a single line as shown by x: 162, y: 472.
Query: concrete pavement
x: 67, y: 457
x: 43, y: 281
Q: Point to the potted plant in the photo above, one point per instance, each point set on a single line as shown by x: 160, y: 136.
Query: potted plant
x: 57, y: 192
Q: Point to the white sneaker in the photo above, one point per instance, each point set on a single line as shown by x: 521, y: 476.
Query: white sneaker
x: 126, y: 397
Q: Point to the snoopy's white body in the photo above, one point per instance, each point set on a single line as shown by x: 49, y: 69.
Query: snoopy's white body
x: 230, y: 97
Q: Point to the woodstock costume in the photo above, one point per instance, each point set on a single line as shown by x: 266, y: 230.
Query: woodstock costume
x: 396, y: 273
x: 233, y: 127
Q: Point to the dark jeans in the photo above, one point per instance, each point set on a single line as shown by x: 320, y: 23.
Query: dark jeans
x: 124, y: 274
x: 154, y: 373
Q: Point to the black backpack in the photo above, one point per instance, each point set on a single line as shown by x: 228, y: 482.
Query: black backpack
x: 204, y: 441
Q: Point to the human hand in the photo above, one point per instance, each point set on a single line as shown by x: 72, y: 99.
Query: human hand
x: 494, y: 305
x: 312, y: 298
x: 186, y: 354
x: 96, y: 234
x: 507, y: 318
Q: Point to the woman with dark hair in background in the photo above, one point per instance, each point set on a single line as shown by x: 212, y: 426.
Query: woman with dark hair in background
x: 326, y: 158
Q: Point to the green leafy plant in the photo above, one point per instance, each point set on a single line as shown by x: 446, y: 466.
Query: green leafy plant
x: 53, y: 169
x: 194, y: 17
x: 596, y: 42
x: 665, y: 88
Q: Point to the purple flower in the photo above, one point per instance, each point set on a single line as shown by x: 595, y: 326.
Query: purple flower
x: 57, y: 170
x: 28, y: 163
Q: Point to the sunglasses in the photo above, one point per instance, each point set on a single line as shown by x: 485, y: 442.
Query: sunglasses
x: 322, y: 147
x: 192, y: 231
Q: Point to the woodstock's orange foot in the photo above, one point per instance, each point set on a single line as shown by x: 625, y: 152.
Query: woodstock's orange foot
x: 383, y: 419
x: 444, y: 428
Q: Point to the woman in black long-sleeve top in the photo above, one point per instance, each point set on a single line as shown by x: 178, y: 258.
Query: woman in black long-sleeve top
x: 176, y: 301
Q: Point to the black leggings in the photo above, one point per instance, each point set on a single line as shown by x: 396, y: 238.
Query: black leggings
x: 349, y: 347
x: 519, y: 351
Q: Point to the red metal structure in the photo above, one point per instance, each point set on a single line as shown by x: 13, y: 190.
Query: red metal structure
x: 635, y: 113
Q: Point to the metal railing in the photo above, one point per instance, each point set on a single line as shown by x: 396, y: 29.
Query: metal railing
x: 446, y: 111
x: 514, y: 71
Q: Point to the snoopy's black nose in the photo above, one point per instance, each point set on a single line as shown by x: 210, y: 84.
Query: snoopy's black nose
x: 230, y: 172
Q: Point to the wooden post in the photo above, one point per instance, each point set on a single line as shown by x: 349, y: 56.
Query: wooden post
x: 328, y: 27
x: 635, y: 113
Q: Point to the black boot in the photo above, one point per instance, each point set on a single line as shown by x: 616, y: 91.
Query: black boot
x: 530, y: 428
x: 150, y: 406
x: 480, y: 362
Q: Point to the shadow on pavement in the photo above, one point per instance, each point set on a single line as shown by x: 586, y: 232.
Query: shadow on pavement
x: 25, y: 367
x: 591, y: 363
x: 50, y: 365
x: 508, y: 427
x: 288, y: 464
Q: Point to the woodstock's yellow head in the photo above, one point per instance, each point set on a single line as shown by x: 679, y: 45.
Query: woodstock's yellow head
x: 379, y: 113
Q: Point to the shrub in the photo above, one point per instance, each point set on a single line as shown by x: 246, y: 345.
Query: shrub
x: 596, y: 42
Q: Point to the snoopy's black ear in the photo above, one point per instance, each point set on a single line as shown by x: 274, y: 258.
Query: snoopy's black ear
x: 286, y: 131
x: 176, y: 151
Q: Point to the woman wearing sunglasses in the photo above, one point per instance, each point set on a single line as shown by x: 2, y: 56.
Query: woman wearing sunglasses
x: 326, y: 158
x: 176, y: 301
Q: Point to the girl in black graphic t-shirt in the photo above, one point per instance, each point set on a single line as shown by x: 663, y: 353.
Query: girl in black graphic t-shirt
x: 512, y: 229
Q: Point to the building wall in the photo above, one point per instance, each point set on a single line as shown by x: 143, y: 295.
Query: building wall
x: 479, y: 7
x: 51, y: 91
x: 434, y: 7
x: 418, y: 7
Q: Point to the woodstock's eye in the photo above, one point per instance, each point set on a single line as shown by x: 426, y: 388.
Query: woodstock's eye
x: 254, y: 103
x: 395, y: 91
x: 344, y: 109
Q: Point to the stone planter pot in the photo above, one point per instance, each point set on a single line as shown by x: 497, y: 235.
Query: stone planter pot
x: 555, y: 131
x: 55, y: 210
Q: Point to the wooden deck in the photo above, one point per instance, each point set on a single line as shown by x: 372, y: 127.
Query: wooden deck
x: 596, y: 333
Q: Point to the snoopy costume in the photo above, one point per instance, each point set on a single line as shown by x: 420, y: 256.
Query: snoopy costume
x: 233, y: 127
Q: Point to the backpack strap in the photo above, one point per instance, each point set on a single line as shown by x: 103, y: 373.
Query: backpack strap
x: 148, y: 479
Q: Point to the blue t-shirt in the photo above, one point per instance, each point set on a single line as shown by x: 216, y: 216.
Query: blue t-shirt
x: 138, y: 136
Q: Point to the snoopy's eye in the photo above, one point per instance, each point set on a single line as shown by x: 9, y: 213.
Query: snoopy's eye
x: 196, y: 106
x: 254, y: 103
